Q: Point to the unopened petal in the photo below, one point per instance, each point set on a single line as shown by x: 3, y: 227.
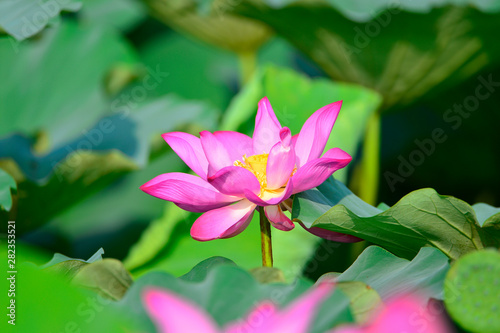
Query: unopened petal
x: 187, y: 191
x: 267, y: 128
x: 314, y: 134
x: 281, y: 161
x: 223, y: 222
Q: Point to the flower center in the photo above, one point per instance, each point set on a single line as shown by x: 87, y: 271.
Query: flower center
x: 257, y: 165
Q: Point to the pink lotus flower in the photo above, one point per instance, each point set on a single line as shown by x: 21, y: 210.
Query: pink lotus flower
x: 173, y: 314
x: 238, y: 173
x: 403, y: 315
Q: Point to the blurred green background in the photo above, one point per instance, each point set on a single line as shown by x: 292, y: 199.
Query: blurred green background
x: 88, y: 87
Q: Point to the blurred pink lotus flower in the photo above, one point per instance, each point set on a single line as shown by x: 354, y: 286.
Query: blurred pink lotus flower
x: 238, y: 173
x: 407, y: 314
x: 173, y: 314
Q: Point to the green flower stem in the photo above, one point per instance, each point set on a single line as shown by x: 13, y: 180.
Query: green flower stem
x: 265, y: 238
x: 248, y: 65
x: 370, y: 167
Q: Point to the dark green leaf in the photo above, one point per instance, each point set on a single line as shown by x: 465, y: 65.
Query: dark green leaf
x: 421, y: 218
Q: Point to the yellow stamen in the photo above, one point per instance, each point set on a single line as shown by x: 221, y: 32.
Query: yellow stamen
x: 257, y: 164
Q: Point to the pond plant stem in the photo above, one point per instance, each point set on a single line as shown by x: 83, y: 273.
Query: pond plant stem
x: 265, y: 238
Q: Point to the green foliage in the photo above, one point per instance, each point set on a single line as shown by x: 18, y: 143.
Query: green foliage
x: 391, y: 276
x: 228, y: 293
x: 69, y: 60
x: 6, y: 184
x: 107, y: 277
x: 118, y: 144
x: 52, y: 304
x: 421, y: 218
x: 365, y: 301
x: 69, y: 267
x: 216, y: 26
x: 471, y: 291
x: 190, y: 65
x: 25, y: 18
x: 390, y: 47
x: 121, y: 14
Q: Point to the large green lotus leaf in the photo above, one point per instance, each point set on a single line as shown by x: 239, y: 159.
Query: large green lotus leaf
x: 295, y: 98
x: 62, y: 77
x: 216, y: 26
x: 116, y: 145
x: 399, y: 52
x: 390, y: 275
x: 121, y: 14
x: 25, y: 18
x: 364, y: 10
x: 6, y: 184
x: 421, y: 218
x: 64, y: 307
x: 228, y: 293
